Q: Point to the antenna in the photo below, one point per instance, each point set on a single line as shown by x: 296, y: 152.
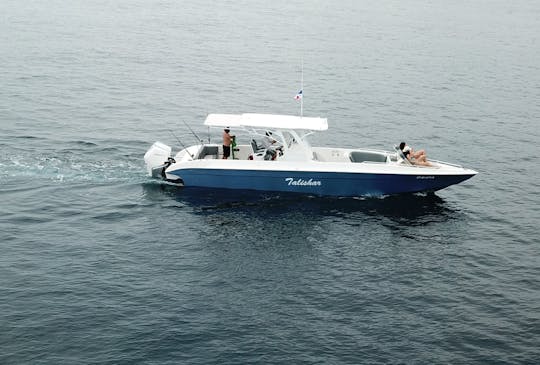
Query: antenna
x: 302, y: 90
x: 300, y: 95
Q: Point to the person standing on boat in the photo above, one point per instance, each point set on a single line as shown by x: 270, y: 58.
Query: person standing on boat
x: 227, y: 142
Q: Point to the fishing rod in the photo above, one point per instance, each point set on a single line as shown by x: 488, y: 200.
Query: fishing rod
x: 179, y: 141
x: 191, y: 130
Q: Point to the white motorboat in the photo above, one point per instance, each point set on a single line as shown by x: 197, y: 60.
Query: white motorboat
x: 296, y: 166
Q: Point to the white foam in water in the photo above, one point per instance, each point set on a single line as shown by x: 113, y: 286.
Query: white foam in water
x: 69, y: 169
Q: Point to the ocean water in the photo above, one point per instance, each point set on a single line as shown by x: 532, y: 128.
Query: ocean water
x: 100, y: 264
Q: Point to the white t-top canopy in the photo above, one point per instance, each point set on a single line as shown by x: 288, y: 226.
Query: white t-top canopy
x: 270, y: 121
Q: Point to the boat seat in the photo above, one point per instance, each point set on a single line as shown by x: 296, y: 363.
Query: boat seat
x: 357, y: 156
x: 255, y: 147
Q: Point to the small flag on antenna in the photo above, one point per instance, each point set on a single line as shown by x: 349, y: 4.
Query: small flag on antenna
x: 298, y: 96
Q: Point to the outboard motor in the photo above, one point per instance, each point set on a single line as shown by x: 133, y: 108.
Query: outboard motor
x: 157, y: 159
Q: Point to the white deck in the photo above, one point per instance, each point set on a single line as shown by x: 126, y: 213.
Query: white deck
x: 325, y: 160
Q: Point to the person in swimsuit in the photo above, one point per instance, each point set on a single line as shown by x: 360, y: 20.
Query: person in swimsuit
x: 414, y: 157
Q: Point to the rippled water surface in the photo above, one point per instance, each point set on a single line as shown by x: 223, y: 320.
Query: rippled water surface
x: 101, y: 264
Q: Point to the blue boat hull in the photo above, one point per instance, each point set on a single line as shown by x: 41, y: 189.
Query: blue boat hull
x: 317, y: 183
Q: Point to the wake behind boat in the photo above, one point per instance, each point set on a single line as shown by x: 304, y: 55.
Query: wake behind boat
x: 291, y: 164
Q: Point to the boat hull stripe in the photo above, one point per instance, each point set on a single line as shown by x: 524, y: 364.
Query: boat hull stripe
x: 316, y: 183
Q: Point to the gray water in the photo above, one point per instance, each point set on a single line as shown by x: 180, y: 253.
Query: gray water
x: 101, y: 264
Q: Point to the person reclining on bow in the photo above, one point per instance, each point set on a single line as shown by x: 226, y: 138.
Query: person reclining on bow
x: 414, y: 157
